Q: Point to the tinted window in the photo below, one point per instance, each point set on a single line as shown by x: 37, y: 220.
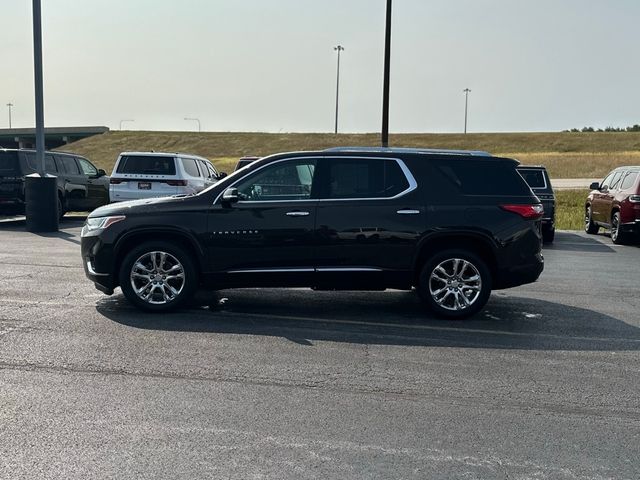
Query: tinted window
x: 535, y: 178
x: 190, y: 167
x: 482, y: 177
x: 212, y: 169
x: 50, y: 164
x: 365, y: 178
x: 146, y: 164
x: 281, y: 181
x: 9, y: 165
x: 629, y: 181
x: 86, y: 167
x: 69, y: 165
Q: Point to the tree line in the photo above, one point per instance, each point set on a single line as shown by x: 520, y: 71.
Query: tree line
x: 634, y: 128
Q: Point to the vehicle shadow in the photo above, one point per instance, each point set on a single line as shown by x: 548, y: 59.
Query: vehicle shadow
x: 19, y: 225
x: 575, y: 242
x: 389, y: 318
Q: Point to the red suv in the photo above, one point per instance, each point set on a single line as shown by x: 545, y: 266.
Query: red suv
x: 615, y: 204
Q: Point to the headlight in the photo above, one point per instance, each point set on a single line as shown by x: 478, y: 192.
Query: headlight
x: 97, y: 225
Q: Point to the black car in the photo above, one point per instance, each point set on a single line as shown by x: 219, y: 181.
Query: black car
x: 452, y: 226
x: 81, y: 186
x: 538, y: 179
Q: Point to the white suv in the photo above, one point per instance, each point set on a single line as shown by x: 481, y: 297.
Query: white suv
x: 139, y: 175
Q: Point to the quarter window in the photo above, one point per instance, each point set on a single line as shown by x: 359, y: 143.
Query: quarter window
x: 190, y: 167
x: 365, y: 178
x: 282, y: 181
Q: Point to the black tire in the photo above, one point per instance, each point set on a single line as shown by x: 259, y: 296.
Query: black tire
x: 161, y: 290
x: 618, y: 237
x: 548, y: 235
x: 61, y: 211
x: 447, y: 306
x: 589, y: 227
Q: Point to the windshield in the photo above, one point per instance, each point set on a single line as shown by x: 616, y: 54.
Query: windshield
x: 9, y: 165
x: 228, y: 179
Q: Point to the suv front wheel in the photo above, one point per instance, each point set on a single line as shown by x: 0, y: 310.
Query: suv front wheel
x: 455, y: 284
x: 158, y: 276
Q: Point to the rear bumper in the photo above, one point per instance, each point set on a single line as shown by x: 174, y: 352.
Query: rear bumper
x: 519, y: 274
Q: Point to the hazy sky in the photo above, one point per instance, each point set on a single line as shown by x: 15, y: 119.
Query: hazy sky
x: 260, y: 65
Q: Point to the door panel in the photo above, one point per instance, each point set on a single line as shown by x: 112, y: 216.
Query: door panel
x: 75, y: 184
x: 97, y: 188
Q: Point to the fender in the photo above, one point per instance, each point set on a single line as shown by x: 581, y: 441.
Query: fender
x: 171, y: 230
x: 452, y: 236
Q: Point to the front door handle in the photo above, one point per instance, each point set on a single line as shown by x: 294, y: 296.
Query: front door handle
x: 297, y: 213
x: 408, y: 211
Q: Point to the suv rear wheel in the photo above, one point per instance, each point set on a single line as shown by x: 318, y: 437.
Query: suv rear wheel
x: 158, y: 276
x: 455, y: 284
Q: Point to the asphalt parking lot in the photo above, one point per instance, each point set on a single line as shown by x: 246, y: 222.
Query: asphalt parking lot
x: 295, y: 384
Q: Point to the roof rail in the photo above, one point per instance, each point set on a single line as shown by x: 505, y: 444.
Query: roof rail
x: 478, y: 153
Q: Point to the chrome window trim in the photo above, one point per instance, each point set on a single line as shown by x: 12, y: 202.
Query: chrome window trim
x: 413, y: 184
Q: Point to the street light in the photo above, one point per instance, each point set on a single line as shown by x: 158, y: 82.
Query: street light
x: 9, y: 105
x: 385, y: 88
x: 466, y: 107
x: 194, y: 120
x: 338, y: 49
x: 125, y: 120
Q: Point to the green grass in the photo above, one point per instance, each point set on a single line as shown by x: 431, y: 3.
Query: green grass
x: 570, y: 209
x: 567, y: 155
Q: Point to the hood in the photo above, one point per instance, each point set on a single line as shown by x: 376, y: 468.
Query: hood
x: 139, y: 206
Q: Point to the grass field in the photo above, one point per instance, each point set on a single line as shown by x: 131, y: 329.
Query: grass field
x: 570, y: 209
x: 566, y: 155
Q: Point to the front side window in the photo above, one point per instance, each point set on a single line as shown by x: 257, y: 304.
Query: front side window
x: 190, y: 167
x: 365, y: 178
x: 629, y: 181
x: 291, y: 180
x: 87, y: 168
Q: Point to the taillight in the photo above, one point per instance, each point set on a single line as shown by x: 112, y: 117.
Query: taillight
x: 528, y: 212
x: 116, y: 181
x: 634, y: 198
x: 176, y: 183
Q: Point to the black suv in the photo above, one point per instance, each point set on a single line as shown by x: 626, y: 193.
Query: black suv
x: 538, y: 179
x: 453, y: 226
x: 81, y: 186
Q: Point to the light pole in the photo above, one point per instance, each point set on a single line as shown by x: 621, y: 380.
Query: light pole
x: 125, y: 120
x: 194, y: 120
x: 385, y: 88
x: 9, y: 105
x: 41, y: 193
x: 338, y: 49
x: 466, y: 107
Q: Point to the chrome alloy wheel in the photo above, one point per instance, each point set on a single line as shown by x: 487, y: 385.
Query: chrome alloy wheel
x: 157, y: 277
x: 455, y: 284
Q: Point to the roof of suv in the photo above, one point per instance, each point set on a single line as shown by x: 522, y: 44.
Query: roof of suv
x: 163, y: 154
x: 478, y: 153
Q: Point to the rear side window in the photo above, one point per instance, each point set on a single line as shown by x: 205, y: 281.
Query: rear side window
x: 535, y: 178
x: 146, y: 164
x: 629, y: 181
x: 69, y: 164
x: 9, y: 166
x: 482, y: 177
x: 190, y: 166
x: 365, y: 178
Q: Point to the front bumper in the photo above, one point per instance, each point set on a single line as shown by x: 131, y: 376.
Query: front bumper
x: 97, y: 263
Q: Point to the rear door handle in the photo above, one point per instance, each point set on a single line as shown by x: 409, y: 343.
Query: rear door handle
x: 297, y: 214
x: 408, y: 211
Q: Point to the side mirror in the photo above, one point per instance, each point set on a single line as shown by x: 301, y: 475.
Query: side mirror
x: 594, y: 186
x: 101, y: 173
x: 221, y: 175
x: 230, y: 196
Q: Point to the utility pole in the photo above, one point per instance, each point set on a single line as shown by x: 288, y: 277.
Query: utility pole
x: 9, y: 105
x: 194, y: 120
x: 338, y: 49
x: 385, y: 88
x: 466, y: 107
